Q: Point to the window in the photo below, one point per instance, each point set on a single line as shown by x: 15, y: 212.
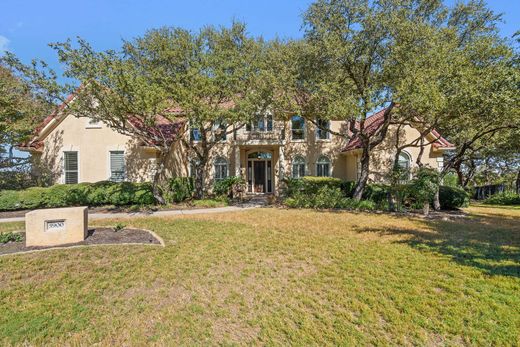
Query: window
x: 321, y: 133
x: 93, y: 123
x: 298, y: 167
x: 117, y: 166
x: 221, y: 169
x: 403, y: 166
x: 70, y: 165
x: 323, y: 167
x: 261, y: 123
x: 219, y: 131
x: 260, y: 155
x: 195, y: 134
x: 298, y: 128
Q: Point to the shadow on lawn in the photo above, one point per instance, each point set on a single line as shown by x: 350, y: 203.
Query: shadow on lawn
x: 489, y: 243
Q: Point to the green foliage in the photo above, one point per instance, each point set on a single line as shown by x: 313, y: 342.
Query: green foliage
x: 425, y: 184
x: 310, y: 184
x: 504, y: 198
x: 90, y: 194
x: 226, y: 186
x: 180, y: 189
x: 453, y: 197
x: 327, y: 197
x: 10, y: 237
x: 119, y: 226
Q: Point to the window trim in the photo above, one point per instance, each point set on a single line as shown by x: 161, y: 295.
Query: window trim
x: 409, y: 162
x: 328, y: 162
x: 64, y: 174
x: 303, y: 129
x: 110, y: 151
x: 96, y: 125
x: 223, y: 159
x: 266, y: 119
x: 302, y: 162
x: 318, y: 130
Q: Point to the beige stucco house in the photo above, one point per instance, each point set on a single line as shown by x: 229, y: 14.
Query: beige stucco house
x: 77, y: 150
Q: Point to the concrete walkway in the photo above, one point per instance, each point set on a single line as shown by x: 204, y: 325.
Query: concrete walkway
x: 128, y: 215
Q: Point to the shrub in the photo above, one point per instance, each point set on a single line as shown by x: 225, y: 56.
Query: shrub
x: 310, y: 185
x: 90, y: 194
x: 10, y: 237
x: 226, y: 186
x: 504, y: 198
x: 453, y: 197
x: 180, y: 189
x: 328, y: 197
x: 377, y: 193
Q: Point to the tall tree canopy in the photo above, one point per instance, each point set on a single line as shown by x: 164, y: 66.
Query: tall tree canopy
x: 371, y: 55
x: 206, y: 80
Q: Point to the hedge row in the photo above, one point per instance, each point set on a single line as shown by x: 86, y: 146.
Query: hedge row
x: 82, y: 194
x: 328, y: 192
x: 504, y: 198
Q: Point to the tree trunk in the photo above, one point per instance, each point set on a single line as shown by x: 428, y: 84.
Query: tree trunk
x: 156, y: 188
x: 363, y: 178
x: 437, y: 201
x: 518, y: 182
x: 426, y: 208
x: 199, y: 179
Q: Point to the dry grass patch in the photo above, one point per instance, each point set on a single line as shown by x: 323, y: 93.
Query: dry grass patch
x: 270, y: 276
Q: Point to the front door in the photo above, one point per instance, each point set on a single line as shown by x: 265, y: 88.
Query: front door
x: 259, y: 177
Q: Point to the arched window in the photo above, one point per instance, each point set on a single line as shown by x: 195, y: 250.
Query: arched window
x: 221, y: 169
x: 298, y: 167
x: 403, y: 165
x: 297, y: 128
x: 323, y: 167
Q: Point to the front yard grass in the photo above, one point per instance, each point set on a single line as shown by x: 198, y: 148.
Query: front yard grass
x: 272, y: 276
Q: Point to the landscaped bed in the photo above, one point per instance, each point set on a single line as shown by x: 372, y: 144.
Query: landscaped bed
x: 275, y: 277
x: 96, y: 236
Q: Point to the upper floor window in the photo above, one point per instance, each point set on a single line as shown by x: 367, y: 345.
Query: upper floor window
x: 117, y: 166
x: 71, y: 167
x: 298, y: 167
x: 221, y: 169
x: 261, y: 123
x: 220, y: 131
x: 195, y: 134
x: 323, y: 167
x: 297, y: 128
x: 93, y: 123
x: 322, y: 127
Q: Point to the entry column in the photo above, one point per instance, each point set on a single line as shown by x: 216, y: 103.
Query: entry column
x: 237, y: 161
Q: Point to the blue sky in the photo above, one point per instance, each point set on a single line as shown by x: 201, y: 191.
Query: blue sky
x: 27, y: 26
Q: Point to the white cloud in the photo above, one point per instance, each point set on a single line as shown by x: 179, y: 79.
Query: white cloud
x: 4, y: 43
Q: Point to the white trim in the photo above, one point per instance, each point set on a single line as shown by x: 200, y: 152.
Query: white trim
x: 62, y: 163
x: 97, y: 125
x: 109, y: 167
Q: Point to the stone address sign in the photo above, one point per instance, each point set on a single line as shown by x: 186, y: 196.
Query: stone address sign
x: 57, y: 226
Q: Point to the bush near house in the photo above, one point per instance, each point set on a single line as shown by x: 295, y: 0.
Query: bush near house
x: 180, y: 189
x: 227, y: 186
x: 89, y: 194
x: 327, y: 192
x: 504, y: 198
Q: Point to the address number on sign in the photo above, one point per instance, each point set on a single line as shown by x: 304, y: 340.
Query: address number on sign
x: 54, y: 225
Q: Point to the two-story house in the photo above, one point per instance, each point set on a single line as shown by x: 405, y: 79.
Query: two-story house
x: 74, y: 150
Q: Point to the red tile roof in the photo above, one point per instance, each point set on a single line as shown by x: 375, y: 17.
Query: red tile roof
x: 375, y: 121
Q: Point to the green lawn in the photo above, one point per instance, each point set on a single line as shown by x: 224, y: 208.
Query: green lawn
x: 270, y: 276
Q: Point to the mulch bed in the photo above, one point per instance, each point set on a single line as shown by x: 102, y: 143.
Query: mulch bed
x: 96, y: 236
